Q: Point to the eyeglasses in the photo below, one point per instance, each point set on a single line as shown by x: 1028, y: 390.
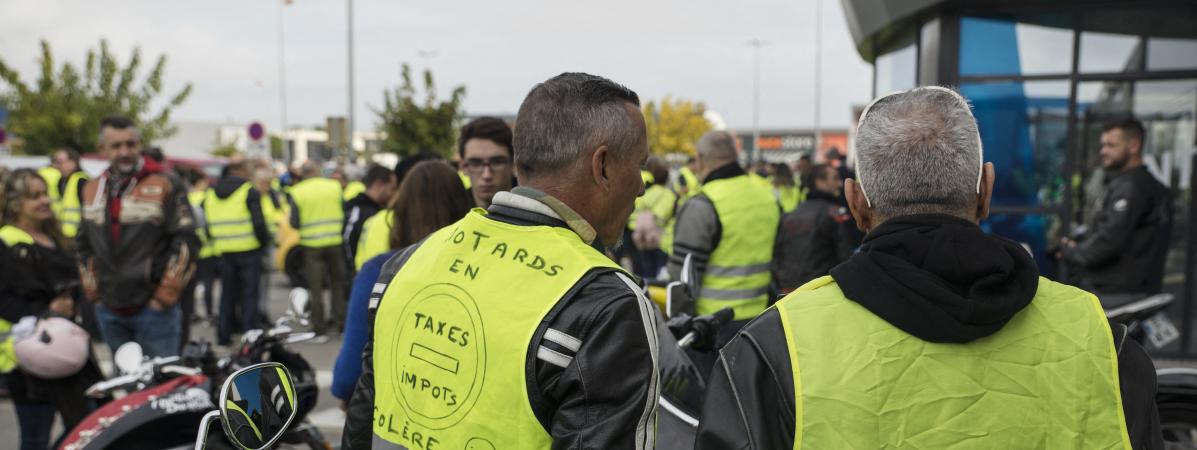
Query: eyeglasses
x: 477, y: 165
x: 131, y: 143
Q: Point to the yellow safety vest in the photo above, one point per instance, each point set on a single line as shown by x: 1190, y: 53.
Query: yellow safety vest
x: 12, y: 237
x: 788, y: 197
x: 72, y: 209
x: 230, y: 224
x: 658, y: 200
x: 1048, y: 379
x: 737, y: 273
x: 693, y: 185
x: 320, y: 212
x: 271, y: 214
x: 465, y: 179
x: 450, y: 363
x: 51, y: 176
x: 207, y: 250
x: 352, y: 189
x: 375, y: 238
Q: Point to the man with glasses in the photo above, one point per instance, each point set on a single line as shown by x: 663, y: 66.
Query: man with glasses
x: 136, y: 244
x: 485, y: 151
x: 935, y: 334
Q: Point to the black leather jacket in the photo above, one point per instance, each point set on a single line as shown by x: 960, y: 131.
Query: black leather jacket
x: 604, y: 398
x: 1123, y: 250
x: 812, y: 239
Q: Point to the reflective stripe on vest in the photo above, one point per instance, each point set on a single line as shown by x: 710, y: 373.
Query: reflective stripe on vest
x: 1047, y: 379
x: 72, y: 208
x: 320, y: 210
x: 375, y: 238
x: 451, y: 367
x: 207, y: 250
x: 737, y: 275
x: 230, y: 224
x: 12, y: 237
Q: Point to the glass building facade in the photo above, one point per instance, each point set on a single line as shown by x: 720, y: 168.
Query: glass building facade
x: 1043, y: 77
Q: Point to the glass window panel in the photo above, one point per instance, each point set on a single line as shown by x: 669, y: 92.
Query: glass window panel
x: 1108, y: 52
x: 895, y: 69
x: 1024, y: 132
x: 1033, y: 45
x: 1171, y: 54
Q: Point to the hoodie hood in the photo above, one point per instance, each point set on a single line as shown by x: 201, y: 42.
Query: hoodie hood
x: 227, y: 185
x: 939, y: 278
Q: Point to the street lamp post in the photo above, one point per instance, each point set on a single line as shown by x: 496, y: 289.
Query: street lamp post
x: 818, y: 70
x: 756, y: 98
x: 349, y: 117
x: 282, y: 79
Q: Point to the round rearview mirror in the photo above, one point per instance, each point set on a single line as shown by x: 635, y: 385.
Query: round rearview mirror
x: 257, y: 404
x: 128, y: 357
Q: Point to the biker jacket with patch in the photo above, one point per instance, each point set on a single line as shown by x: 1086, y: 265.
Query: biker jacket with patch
x: 604, y: 397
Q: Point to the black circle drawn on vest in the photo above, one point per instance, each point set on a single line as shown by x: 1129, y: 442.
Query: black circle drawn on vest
x: 440, y: 345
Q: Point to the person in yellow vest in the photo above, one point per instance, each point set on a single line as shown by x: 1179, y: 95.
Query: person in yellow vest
x: 316, y: 211
x: 375, y: 238
x: 206, y: 266
x: 728, y: 229
x: 380, y: 187
x: 688, y: 184
x: 237, y: 229
x: 785, y: 190
x: 70, y: 185
x: 654, y: 211
x: 934, y: 335
x: 538, y: 330
x: 40, y: 280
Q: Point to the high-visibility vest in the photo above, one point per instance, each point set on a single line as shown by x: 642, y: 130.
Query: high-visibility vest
x: 693, y: 185
x: 1047, y: 379
x: 12, y: 237
x: 657, y: 199
x: 454, y: 351
x: 737, y: 273
x: 272, y: 214
x: 320, y: 210
x: 72, y: 209
x: 375, y: 238
x: 465, y: 179
x: 788, y: 197
x: 207, y: 250
x: 51, y: 176
x: 230, y: 223
x: 352, y: 189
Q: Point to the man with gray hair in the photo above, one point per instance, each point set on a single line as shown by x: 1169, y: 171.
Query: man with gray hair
x: 934, y: 334
x: 316, y: 211
x: 727, y: 230
x: 569, y: 347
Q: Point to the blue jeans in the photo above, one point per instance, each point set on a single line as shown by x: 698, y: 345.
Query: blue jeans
x: 240, y: 275
x: 156, y: 331
x: 35, y: 420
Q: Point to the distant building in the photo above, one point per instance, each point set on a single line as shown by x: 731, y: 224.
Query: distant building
x: 786, y: 145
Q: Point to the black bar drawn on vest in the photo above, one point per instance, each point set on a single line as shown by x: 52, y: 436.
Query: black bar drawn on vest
x: 438, y: 359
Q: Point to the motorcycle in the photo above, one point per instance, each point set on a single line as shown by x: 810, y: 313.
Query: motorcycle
x: 1176, y: 387
x: 169, y: 397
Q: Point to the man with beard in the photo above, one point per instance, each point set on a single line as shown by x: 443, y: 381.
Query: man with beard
x: 1124, y: 247
x: 136, y: 244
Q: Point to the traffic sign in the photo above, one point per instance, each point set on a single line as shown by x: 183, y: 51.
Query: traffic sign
x: 256, y: 131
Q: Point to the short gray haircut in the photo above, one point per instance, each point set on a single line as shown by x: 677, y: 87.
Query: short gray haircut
x: 309, y: 169
x: 918, y: 152
x: 716, y: 145
x: 566, y: 116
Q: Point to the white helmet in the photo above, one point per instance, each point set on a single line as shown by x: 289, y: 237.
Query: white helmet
x: 57, y: 349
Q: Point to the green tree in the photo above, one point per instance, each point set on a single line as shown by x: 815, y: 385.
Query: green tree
x: 412, y: 125
x: 64, y: 107
x: 674, y: 126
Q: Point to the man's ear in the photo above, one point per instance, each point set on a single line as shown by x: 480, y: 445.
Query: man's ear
x: 986, y: 195
x: 600, y: 167
x: 858, y: 205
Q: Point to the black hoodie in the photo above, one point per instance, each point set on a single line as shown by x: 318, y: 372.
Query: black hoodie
x: 227, y: 186
x: 936, y: 277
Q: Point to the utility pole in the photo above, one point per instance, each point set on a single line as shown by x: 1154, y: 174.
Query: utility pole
x: 818, y: 74
x: 282, y: 80
x: 756, y: 98
x: 349, y: 117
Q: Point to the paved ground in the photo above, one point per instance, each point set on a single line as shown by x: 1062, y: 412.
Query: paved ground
x: 327, y: 415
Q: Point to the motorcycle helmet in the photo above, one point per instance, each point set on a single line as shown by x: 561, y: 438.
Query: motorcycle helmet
x: 57, y: 348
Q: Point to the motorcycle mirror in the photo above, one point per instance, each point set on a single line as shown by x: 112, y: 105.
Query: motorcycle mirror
x: 257, y: 404
x: 676, y: 298
x: 689, y: 276
x: 128, y: 357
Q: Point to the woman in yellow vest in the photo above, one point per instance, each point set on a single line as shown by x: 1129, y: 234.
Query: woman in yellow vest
x: 935, y: 334
x: 40, y: 279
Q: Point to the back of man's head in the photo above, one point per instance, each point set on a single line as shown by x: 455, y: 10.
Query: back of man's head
x: 568, y: 115
x: 377, y: 174
x: 309, y: 169
x: 238, y: 169
x: 716, y: 147
x: 919, y: 152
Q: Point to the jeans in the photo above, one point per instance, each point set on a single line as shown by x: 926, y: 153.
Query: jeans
x: 240, y: 275
x: 326, y: 265
x: 205, y: 275
x: 35, y: 421
x: 156, y: 331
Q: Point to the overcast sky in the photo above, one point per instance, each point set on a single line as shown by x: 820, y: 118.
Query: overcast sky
x: 229, y: 50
